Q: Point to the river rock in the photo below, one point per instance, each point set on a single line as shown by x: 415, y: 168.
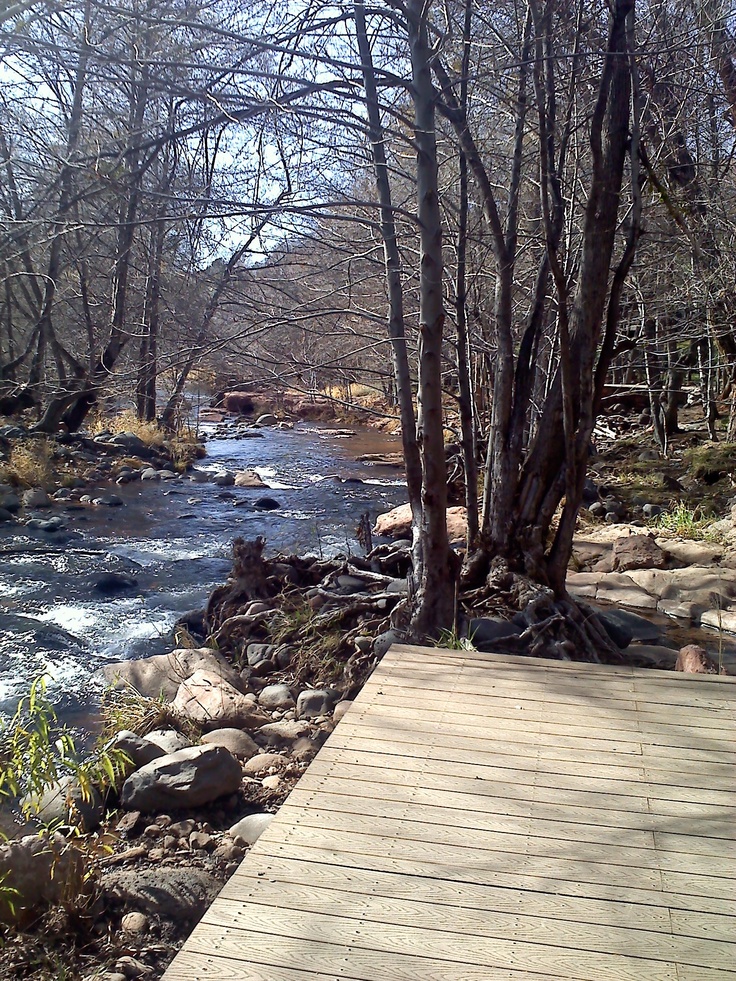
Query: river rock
x: 6, y: 515
x: 139, y: 750
x: 169, y: 740
x: 639, y: 629
x: 274, y: 697
x: 108, y: 501
x: 257, y: 765
x: 63, y: 803
x: 150, y: 473
x: 650, y: 656
x: 239, y: 743
x: 189, y: 778
x: 694, y: 660
x: 135, y: 923
x: 397, y: 523
x: 44, y: 871
x: 484, y: 632
x: 280, y: 735
x: 248, y: 478
x: 638, y: 552
x: 266, y: 504
x: 341, y: 708
x: 255, y: 653
x: 47, y: 525
x: 177, y: 894
x: 9, y: 501
x: 210, y: 701
x: 267, y: 419
x: 130, y: 442
x: 224, y: 479
x: 251, y: 827
x: 113, y: 582
x: 315, y: 702
x: 36, y: 498
x: 162, y: 674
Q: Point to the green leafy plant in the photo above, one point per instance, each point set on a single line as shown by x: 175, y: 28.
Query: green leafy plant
x: 687, y: 522
x: 35, y: 753
x: 451, y: 640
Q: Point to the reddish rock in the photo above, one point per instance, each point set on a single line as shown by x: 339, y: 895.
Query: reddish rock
x: 694, y: 660
x: 638, y: 552
x: 397, y: 523
x: 213, y: 703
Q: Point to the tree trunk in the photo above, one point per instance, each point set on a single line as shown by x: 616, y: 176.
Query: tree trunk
x: 435, y: 598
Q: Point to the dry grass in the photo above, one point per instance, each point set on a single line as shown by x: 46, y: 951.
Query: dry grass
x: 128, y: 422
x: 30, y: 465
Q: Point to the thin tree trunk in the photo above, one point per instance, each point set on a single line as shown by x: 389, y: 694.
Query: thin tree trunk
x: 392, y: 262
x: 436, y: 581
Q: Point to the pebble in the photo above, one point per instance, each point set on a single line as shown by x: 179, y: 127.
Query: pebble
x: 135, y: 923
x: 228, y: 851
x: 132, y: 968
x: 156, y: 854
x: 201, y: 841
x: 272, y: 782
x: 182, y: 828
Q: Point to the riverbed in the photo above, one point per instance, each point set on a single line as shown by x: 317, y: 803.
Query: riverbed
x: 173, y: 539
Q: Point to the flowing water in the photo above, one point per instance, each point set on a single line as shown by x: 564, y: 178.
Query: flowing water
x: 174, y: 539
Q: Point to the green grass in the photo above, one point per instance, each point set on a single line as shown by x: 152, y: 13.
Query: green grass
x: 687, y: 522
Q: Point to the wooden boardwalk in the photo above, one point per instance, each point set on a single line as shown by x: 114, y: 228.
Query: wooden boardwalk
x: 479, y: 818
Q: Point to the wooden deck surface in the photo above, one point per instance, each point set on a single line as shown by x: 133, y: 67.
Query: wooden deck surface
x: 478, y: 817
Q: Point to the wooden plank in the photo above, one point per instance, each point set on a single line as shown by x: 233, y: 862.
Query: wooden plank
x: 451, y: 805
x: 482, y: 817
x: 522, y: 772
x: 392, y: 939
x: 488, y: 898
x: 520, y: 926
x: 509, y: 877
x: 401, y: 654
x: 546, y: 861
x: 203, y: 960
x: 630, y: 728
x: 528, y: 837
x: 626, y: 716
x: 488, y: 744
x: 574, y: 690
x: 458, y: 893
x: 661, y: 742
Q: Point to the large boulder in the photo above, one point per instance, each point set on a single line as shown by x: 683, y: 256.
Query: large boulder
x: 280, y: 735
x: 213, y: 703
x: 314, y: 702
x: 638, y: 552
x: 36, y: 498
x: 276, y: 697
x: 248, y: 478
x: 239, y: 743
x: 237, y: 402
x: 162, y: 674
x: 139, y: 750
x: 63, y: 803
x: 44, y: 872
x: 189, y: 778
x: 176, y: 894
x: 130, y: 442
x: 397, y: 523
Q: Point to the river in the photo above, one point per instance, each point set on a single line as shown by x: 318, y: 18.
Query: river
x: 173, y: 538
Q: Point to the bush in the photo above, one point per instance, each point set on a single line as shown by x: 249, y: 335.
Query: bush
x: 31, y: 465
